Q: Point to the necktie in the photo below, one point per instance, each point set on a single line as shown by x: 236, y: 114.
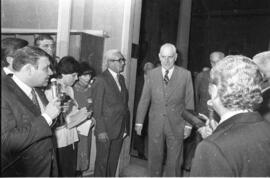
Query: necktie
x: 34, y: 98
x: 166, y: 77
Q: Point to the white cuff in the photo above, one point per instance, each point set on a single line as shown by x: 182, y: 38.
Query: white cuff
x: 188, y: 127
x: 138, y: 124
x: 47, y: 118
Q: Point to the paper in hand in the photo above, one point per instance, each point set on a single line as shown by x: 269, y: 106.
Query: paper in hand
x: 76, y: 117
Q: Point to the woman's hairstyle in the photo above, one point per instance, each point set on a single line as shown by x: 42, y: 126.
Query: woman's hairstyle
x: 68, y: 65
x: 238, y: 81
x: 85, y: 68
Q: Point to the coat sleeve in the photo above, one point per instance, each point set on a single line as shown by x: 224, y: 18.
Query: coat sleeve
x: 144, y: 101
x: 209, y: 161
x: 189, y: 98
x: 98, y: 102
x: 18, y: 134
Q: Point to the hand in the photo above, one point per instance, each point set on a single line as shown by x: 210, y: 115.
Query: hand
x: 138, y: 129
x: 103, y: 137
x: 66, y: 107
x: 53, y: 108
x: 208, y: 129
x: 187, y: 131
x: 205, y: 131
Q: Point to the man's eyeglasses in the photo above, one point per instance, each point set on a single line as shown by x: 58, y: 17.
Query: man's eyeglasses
x: 119, y: 60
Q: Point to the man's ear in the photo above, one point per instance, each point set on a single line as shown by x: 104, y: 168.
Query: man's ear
x: 213, y: 91
x: 28, y: 69
x: 9, y: 60
x: 175, y: 57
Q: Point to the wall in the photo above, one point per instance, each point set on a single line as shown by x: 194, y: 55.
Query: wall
x: 38, y: 14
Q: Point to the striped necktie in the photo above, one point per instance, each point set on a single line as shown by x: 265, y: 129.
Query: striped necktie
x: 166, y: 77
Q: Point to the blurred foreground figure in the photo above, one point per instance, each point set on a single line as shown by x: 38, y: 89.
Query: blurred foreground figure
x: 240, y: 145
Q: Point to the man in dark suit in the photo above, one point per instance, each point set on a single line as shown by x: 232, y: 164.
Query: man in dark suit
x: 263, y: 61
x: 26, y: 136
x: 240, y: 145
x: 170, y: 91
x: 8, y: 48
x: 110, y: 107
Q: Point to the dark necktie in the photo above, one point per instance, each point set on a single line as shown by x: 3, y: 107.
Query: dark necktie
x: 166, y: 77
x: 34, y: 98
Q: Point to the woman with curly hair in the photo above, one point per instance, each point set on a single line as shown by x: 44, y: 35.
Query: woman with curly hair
x: 240, y: 145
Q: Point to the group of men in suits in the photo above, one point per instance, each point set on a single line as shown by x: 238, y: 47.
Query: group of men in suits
x: 238, y: 147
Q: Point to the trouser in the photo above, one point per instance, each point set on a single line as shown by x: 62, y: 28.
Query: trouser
x: 157, y: 139
x: 107, y: 157
x: 67, y: 160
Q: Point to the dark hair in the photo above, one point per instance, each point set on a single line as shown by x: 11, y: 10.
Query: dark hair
x: 41, y: 38
x: 27, y: 55
x: 85, y: 68
x: 68, y: 65
x: 8, y: 48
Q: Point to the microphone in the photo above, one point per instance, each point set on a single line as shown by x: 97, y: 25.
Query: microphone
x: 192, y: 117
x: 54, y: 88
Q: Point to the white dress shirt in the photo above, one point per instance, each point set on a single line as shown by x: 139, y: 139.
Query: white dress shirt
x: 170, y: 72
x: 114, y: 74
x: 7, y: 70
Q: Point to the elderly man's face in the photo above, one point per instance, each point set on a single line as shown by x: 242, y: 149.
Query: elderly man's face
x: 167, y: 58
x: 117, y: 64
x: 48, y: 46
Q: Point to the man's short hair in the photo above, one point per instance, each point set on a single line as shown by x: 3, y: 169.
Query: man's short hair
x: 8, y: 48
x: 41, y: 38
x: 238, y: 81
x: 168, y: 45
x: 27, y: 55
x: 110, y: 54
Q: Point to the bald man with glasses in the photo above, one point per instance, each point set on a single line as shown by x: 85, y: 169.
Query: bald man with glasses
x: 110, y: 106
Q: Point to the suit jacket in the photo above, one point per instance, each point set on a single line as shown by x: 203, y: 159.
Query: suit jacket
x: 239, y: 147
x: 26, y: 138
x: 110, y: 106
x: 167, y: 101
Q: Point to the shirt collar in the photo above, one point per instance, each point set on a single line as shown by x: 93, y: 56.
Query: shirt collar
x: 170, y: 72
x: 230, y: 114
x: 25, y: 88
x: 7, y: 70
x: 114, y: 74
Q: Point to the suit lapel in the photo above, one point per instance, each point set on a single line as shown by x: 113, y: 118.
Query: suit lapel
x: 112, y: 82
x: 23, y: 97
